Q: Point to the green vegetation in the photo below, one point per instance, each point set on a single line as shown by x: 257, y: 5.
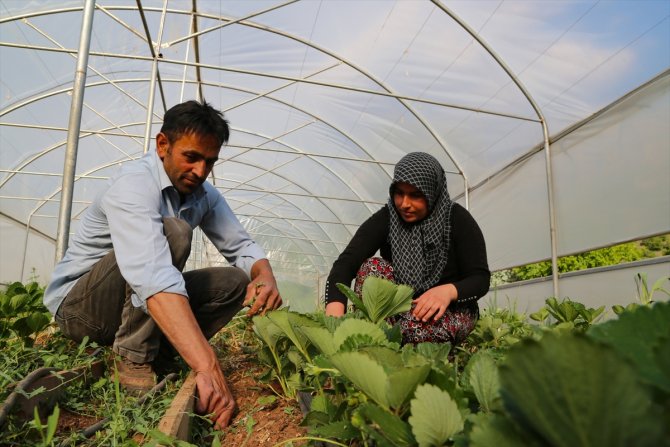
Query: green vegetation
x: 28, y: 341
x: 568, y: 381
x: 616, y: 254
x: 558, y: 377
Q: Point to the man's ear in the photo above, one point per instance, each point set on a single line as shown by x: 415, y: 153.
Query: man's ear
x: 162, y: 145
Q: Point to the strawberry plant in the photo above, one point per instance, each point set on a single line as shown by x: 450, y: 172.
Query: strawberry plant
x: 22, y: 313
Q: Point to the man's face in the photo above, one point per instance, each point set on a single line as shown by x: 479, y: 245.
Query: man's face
x: 189, y: 160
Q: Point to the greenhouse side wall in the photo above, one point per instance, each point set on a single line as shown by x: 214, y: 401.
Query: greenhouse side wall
x: 36, y: 266
x: 603, y: 286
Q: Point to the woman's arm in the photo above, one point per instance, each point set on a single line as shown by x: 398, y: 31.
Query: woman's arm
x: 468, y: 259
x: 369, y: 238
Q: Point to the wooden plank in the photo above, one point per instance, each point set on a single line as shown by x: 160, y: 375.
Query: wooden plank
x: 177, y: 420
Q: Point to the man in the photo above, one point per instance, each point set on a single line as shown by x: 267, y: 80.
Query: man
x: 121, y: 282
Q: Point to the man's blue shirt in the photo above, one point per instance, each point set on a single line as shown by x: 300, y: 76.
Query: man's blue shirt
x: 127, y: 217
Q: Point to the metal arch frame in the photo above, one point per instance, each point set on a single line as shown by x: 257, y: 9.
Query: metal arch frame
x: 296, y: 151
x: 43, y: 201
x: 408, y: 107
x: 545, y: 131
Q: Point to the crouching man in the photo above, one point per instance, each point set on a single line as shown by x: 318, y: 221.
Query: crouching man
x: 121, y: 282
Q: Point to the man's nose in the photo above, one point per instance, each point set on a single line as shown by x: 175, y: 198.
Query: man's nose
x: 200, y: 169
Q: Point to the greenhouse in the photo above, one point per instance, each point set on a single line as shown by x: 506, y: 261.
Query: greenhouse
x: 551, y: 120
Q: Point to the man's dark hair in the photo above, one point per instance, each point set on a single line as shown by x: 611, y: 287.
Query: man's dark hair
x: 197, y: 118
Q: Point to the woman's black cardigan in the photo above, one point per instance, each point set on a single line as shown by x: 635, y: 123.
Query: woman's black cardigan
x: 467, y: 266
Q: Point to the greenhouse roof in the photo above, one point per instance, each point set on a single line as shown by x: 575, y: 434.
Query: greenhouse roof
x: 324, y: 97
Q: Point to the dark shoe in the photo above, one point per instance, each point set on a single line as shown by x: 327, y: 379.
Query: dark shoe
x: 135, y: 378
x: 168, y: 361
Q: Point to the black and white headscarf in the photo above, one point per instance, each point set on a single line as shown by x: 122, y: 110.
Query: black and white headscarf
x: 420, y: 249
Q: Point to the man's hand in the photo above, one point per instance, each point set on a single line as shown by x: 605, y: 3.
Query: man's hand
x: 214, y: 397
x: 434, y: 302
x: 174, y: 317
x: 262, y: 293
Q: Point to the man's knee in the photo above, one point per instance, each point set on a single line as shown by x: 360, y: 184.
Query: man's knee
x: 178, y: 233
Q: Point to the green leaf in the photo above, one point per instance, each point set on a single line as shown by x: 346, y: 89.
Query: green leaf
x: 269, y: 332
x: 386, y: 389
x: 17, y: 302
x: 435, y: 416
x: 321, y: 338
x: 351, y: 296
x: 573, y: 391
x: 342, y: 430
x: 37, y: 321
x: 355, y: 327
x: 386, y: 427
x: 496, y: 430
x: 52, y: 424
x: 635, y: 335
x: 287, y: 321
x: 383, y: 298
x: 482, y: 374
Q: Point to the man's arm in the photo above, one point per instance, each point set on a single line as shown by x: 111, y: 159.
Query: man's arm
x: 174, y: 317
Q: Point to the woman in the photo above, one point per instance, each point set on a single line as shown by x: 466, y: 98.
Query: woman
x: 426, y: 241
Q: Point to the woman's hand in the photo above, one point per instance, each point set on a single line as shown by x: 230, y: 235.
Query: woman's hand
x: 434, y: 302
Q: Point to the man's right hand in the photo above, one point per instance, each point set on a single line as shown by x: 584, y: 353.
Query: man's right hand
x: 215, y: 397
x: 174, y: 317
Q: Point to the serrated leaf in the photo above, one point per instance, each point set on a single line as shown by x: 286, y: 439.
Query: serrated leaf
x: 387, y: 427
x: 354, y: 327
x: 38, y: 321
x: 482, y: 374
x: 287, y: 322
x: 368, y: 375
x: 342, y: 430
x: 435, y: 417
x: 383, y: 298
x: 387, y: 389
x: 269, y: 332
x: 403, y: 382
x: 351, y: 296
x: 573, y: 391
x: 495, y: 430
x: 385, y: 356
x: 321, y: 338
x: 635, y: 334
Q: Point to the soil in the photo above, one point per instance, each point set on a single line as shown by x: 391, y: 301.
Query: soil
x: 261, y: 420
x: 274, y: 422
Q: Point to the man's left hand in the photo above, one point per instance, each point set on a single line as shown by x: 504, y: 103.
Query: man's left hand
x: 262, y: 293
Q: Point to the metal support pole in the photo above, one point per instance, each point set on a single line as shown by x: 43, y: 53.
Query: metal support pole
x: 154, y: 77
x: 74, y: 126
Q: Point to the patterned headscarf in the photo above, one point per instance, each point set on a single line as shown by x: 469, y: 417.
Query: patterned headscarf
x: 420, y: 249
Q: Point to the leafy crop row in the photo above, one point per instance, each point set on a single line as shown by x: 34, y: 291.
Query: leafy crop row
x: 563, y: 382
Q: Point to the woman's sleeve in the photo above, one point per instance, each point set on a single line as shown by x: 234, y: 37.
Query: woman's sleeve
x: 366, y: 241
x: 470, y: 251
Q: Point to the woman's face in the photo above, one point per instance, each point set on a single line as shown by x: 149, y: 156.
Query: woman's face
x: 410, y: 203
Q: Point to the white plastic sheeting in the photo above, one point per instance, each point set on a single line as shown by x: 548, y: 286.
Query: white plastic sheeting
x: 325, y: 96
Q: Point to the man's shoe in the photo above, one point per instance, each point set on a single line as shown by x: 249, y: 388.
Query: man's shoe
x: 134, y: 378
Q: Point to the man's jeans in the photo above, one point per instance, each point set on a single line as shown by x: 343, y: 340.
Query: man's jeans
x: 99, y: 304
